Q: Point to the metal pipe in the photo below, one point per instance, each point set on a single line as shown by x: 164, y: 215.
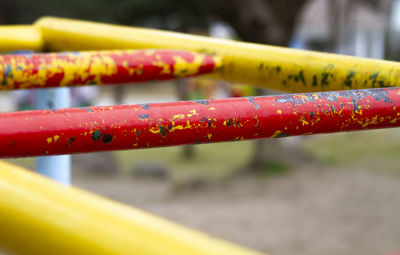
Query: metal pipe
x: 76, y: 130
x: 266, y: 66
x: 23, y: 71
x: 40, y: 216
x: 57, y: 168
x: 20, y: 37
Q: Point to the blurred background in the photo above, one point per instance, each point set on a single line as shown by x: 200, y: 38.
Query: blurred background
x: 319, y: 195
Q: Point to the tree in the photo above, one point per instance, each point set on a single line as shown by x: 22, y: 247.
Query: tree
x: 268, y: 22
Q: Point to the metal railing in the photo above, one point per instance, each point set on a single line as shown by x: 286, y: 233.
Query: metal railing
x: 44, y: 217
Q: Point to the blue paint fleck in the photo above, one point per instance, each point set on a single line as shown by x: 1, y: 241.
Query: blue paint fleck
x: 251, y: 99
x: 145, y: 106
x: 144, y: 116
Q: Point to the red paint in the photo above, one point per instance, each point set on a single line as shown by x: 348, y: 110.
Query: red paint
x: 46, y: 132
x: 42, y: 70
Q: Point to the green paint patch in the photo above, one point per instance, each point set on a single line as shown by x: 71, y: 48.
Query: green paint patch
x: 281, y: 135
x: 107, y: 138
x: 96, y: 136
x: 348, y: 82
x: 164, y: 131
x: 373, y: 77
x: 302, y: 78
x: 324, y: 80
x: 315, y: 82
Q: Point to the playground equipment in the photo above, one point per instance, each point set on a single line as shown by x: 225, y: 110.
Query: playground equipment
x: 43, y: 217
x: 39, y: 216
x: 24, y: 71
x: 66, y: 131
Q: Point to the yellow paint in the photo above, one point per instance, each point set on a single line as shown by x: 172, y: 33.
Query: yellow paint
x: 192, y: 112
x: 49, y: 140
x: 100, y: 65
x: 155, y: 130
x: 179, y: 127
x: 20, y: 38
x: 257, y: 121
x: 44, y: 217
x: 265, y: 66
x: 165, y: 69
x: 183, y: 68
x: 56, y: 138
x: 367, y: 122
x: 279, y: 111
x: 277, y: 132
x: 304, y: 122
x: 178, y: 116
x: 139, y: 70
x: 239, y: 138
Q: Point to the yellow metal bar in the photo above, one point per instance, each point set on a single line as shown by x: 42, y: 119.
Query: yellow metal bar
x: 20, y: 38
x: 265, y: 66
x: 39, y: 216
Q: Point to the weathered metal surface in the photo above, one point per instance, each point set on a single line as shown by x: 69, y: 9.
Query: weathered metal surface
x: 20, y: 37
x: 39, y: 216
x: 100, y: 67
x: 266, y: 66
x: 46, y: 132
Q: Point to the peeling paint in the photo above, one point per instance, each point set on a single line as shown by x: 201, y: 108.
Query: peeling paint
x: 100, y: 67
x: 76, y: 130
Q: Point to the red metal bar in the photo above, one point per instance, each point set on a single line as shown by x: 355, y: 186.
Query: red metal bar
x: 100, y: 67
x: 46, y: 132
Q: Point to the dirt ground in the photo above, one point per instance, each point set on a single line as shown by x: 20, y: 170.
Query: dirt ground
x: 311, y: 211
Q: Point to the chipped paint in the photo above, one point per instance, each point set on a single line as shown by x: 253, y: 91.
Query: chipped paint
x: 76, y: 130
x: 100, y: 67
x: 246, y: 63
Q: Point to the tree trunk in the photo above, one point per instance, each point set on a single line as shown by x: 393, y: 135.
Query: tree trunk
x: 188, y: 151
x: 261, y: 21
